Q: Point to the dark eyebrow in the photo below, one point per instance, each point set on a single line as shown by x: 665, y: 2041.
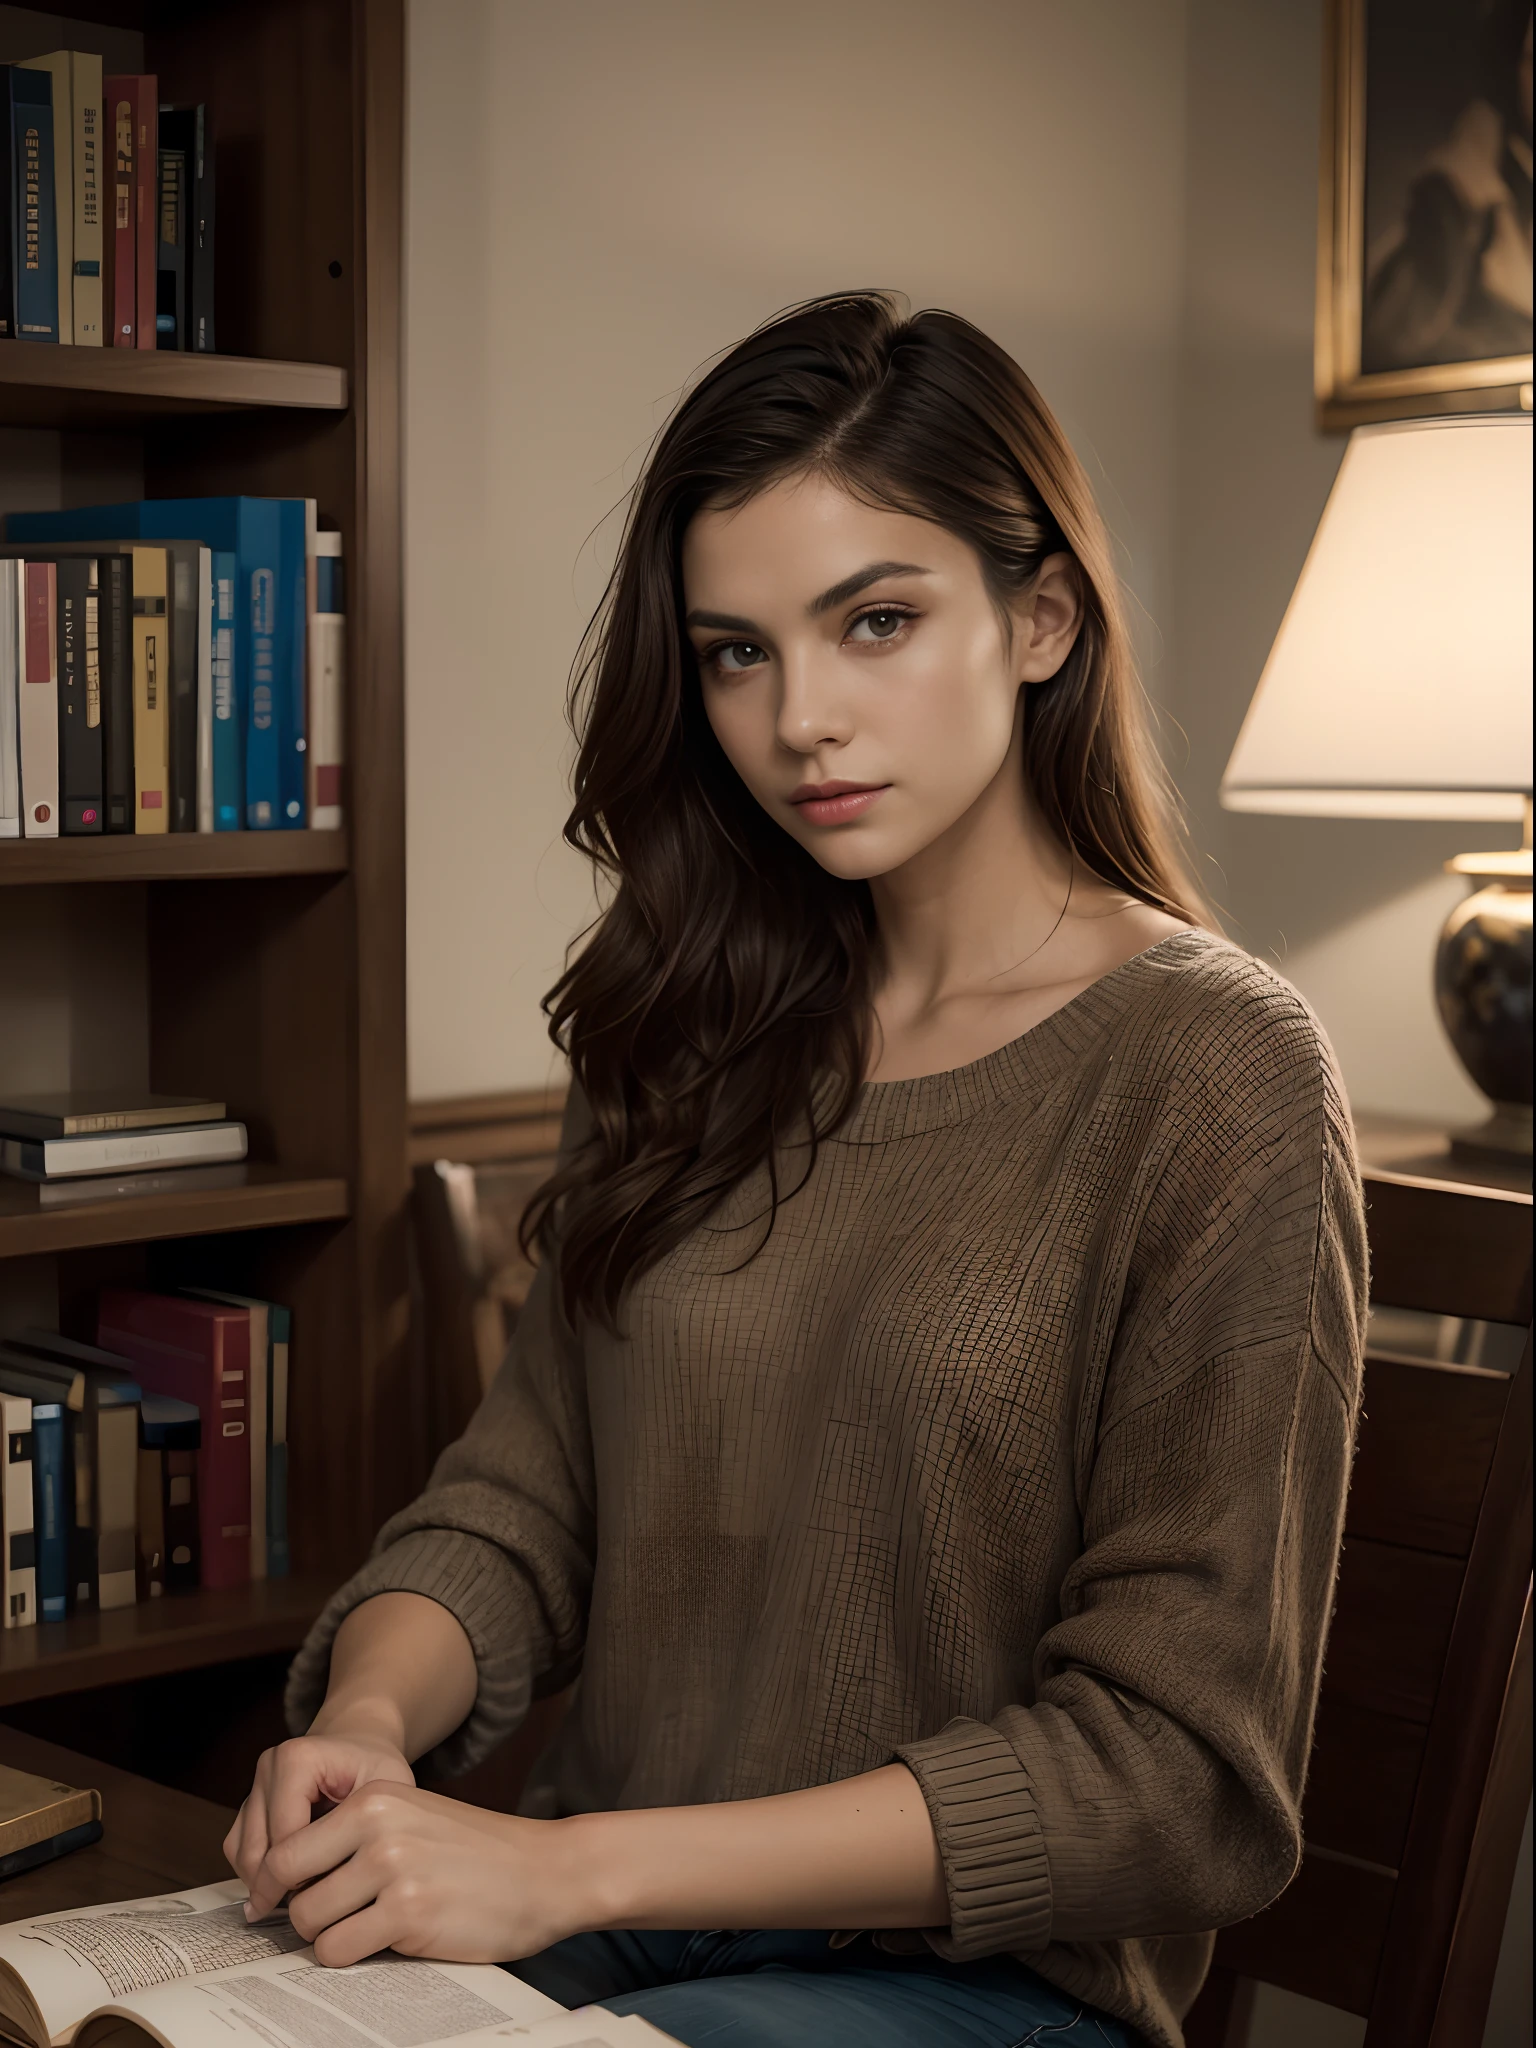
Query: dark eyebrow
x: 861, y: 580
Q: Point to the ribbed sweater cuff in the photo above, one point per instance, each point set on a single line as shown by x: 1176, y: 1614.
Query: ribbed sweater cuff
x: 988, y: 1831
x: 491, y: 1601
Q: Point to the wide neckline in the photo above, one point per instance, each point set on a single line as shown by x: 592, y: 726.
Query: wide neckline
x: 1022, y: 1066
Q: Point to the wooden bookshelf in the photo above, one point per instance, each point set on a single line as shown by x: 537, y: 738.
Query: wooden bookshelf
x: 266, y: 969
x: 106, y: 389
x: 172, y: 856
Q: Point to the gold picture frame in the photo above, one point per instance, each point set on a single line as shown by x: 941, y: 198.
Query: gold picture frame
x: 1347, y: 394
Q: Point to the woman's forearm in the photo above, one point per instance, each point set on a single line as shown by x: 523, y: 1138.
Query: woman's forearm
x: 402, y: 1670
x: 860, y: 1853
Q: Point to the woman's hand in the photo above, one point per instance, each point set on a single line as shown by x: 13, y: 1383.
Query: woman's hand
x: 393, y: 1867
x: 291, y: 1781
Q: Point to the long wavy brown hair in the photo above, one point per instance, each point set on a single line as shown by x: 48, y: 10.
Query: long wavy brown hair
x: 721, y: 1006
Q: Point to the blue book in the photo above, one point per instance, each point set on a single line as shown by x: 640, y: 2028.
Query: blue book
x: 228, y: 711
x: 33, y: 230
x: 50, y: 1508
x: 266, y: 537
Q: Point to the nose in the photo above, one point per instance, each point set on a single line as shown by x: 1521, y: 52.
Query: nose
x: 813, y: 711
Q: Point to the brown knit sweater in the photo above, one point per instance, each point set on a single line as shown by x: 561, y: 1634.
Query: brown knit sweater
x: 1019, y: 1453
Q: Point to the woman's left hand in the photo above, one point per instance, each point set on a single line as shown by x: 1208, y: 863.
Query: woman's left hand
x: 395, y: 1867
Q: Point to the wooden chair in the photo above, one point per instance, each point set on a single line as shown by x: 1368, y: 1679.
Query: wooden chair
x: 1421, y: 1767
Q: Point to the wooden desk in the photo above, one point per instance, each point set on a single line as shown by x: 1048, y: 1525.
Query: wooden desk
x: 153, y: 1840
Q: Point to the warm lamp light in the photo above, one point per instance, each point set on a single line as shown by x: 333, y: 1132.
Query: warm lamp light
x: 1399, y: 686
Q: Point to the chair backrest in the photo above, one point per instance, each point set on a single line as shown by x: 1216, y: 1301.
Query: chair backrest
x: 474, y: 1277
x: 1421, y: 1766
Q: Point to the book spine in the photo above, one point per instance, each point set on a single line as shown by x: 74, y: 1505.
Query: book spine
x: 183, y: 1523
x: 151, y: 688
x: 50, y: 1512
x: 81, y: 1451
x: 181, y: 564
x: 115, y: 621
x: 86, y: 123
x: 117, y: 1505
x: 263, y: 740
x: 18, y: 1586
x: 11, y: 657
x: 38, y: 723
x: 293, y: 606
x: 118, y: 104
x: 278, y: 1558
x: 57, y: 66
x: 80, y: 764
x: 36, y: 252
x: 205, y: 689
x: 124, y: 1151
x: 146, y: 195
x: 200, y: 236
x: 327, y: 699
x: 171, y: 256
x: 259, y: 1406
x: 8, y: 221
x: 228, y: 714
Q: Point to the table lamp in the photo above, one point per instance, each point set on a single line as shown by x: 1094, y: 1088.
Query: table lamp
x: 1399, y: 686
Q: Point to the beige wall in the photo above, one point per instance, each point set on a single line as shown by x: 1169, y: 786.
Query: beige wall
x: 602, y: 194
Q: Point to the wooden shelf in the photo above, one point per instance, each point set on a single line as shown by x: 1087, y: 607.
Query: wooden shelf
x: 178, y: 1633
x: 58, y: 385
x: 172, y: 856
x: 134, y: 1208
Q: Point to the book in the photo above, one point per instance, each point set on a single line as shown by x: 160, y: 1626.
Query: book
x: 12, y: 659
x: 114, y: 622
x: 187, y: 1968
x: 101, y: 1396
x: 187, y: 129
x: 80, y: 1112
x: 81, y: 799
x: 326, y: 721
x: 50, y: 1507
x: 183, y: 570
x: 228, y: 712
x: 119, y: 240
x: 28, y: 107
x: 266, y: 538
x: 122, y: 1151
x: 18, y: 1549
x: 57, y: 67
x: 198, y: 1351
x: 41, y: 1819
x: 89, y: 182
x: 38, y: 721
x: 143, y: 95
x: 170, y: 1437
x: 19, y: 1375
x: 171, y: 258
x: 271, y: 1332
x: 205, y: 606
x: 151, y: 692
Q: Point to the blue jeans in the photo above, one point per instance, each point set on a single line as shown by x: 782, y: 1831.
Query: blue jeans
x: 765, y: 1990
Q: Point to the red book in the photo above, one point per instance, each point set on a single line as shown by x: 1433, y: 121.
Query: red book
x: 198, y: 1351
x: 120, y: 96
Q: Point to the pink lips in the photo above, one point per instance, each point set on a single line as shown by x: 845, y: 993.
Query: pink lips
x: 835, y: 803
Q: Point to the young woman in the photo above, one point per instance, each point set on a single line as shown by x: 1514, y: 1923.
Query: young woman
x: 928, y: 1432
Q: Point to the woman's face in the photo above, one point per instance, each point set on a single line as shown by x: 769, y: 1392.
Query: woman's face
x: 856, y: 671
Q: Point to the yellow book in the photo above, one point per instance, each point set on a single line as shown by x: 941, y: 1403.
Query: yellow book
x: 40, y: 1819
x: 151, y: 693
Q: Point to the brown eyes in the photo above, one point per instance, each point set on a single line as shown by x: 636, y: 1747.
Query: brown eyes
x: 882, y: 623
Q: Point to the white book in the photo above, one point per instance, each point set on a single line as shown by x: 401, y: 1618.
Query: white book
x: 10, y: 683
x: 327, y: 683
x: 38, y: 722
x: 121, y: 1151
x: 205, y: 603
x: 18, y: 1572
x: 187, y: 1969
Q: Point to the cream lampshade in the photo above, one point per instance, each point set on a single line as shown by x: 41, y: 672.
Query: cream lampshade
x: 1399, y: 686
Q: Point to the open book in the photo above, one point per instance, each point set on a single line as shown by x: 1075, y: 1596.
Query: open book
x: 187, y: 1971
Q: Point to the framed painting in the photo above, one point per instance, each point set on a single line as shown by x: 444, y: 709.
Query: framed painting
x: 1424, y: 219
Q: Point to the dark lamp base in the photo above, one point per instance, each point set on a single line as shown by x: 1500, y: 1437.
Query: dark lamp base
x: 1483, y: 992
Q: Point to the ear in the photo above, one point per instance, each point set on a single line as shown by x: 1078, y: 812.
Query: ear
x: 1048, y: 619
